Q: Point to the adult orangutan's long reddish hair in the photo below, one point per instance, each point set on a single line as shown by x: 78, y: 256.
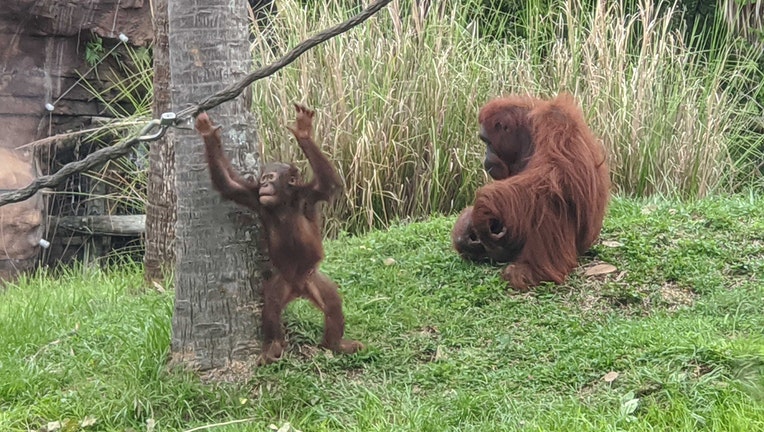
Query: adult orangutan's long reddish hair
x: 550, y: 192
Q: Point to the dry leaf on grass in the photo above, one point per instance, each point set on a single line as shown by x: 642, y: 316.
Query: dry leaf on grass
x: 158, y: 287
x: 610, y: 376
x: 612, y: 243
x: 88, y: 421
x: 600, y: 269
x: 286, y: 427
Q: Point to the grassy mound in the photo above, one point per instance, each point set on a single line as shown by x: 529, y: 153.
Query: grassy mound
x: 670, y: 340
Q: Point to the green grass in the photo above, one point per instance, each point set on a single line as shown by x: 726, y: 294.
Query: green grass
x: 449, y: 347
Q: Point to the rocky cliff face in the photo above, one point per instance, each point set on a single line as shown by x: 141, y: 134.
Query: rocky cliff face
x: 107, y: 18
x: 21, y: 223
x: 41, y: 49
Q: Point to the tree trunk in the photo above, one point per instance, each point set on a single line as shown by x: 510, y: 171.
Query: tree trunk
x: 218, y: 271
x: 159, y: 257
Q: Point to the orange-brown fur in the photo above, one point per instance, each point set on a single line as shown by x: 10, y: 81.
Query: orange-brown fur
x: 553, y: 194
x: 290, y: 214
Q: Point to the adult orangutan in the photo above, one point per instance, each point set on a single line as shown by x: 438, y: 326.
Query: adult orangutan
x: 551, y: 189
x: 289, y: 210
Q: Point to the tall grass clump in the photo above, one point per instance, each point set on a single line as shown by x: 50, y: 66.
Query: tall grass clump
x: 396, y: 109
x: 122, y: 84
x: 677, y: 120
x: 398, y: 98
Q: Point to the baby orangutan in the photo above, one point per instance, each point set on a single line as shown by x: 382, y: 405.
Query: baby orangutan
x: 289, y: 210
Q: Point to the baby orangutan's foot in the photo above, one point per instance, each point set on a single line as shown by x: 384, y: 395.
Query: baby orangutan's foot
x: 348, y: 346
x: 345, y: 346
x: 271, y: 353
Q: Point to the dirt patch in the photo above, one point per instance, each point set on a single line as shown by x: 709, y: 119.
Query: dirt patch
x: 234, y: 372
x: 697, y: 369
x: 675, y: 297
x: 598, y: 296
x: 307, y: 352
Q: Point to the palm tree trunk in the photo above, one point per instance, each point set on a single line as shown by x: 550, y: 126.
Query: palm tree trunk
x: 159, y: 257
x: 218, y: 271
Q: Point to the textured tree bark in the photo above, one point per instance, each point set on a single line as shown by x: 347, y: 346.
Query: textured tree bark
x: 218, y: 271
x: 159, y: 257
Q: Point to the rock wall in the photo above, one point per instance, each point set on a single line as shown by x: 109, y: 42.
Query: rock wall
x: 20, y: 223
x: 42, y: 47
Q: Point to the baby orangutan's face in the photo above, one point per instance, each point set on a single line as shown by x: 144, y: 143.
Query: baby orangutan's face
x: 277, y: 184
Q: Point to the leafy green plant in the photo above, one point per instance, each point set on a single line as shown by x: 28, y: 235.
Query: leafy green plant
x: 94, y: 50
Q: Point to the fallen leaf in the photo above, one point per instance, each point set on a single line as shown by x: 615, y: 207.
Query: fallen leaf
x: 629, y: 405
x: 151, y: 424
x: 158, y: 287
x: 286, y: 427
x: 53, y: 426
x: 600, y: 269
x: 388, y: 261
x: 610, y: 376
x: 612, y: 243
x: 242, y: 401
x: 88, y: 421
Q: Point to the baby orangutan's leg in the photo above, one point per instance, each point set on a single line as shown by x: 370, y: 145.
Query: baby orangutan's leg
x: 323, y: 293
x: 276, y: 294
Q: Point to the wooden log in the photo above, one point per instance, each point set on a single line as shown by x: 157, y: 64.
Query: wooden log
x: 120, y: 225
